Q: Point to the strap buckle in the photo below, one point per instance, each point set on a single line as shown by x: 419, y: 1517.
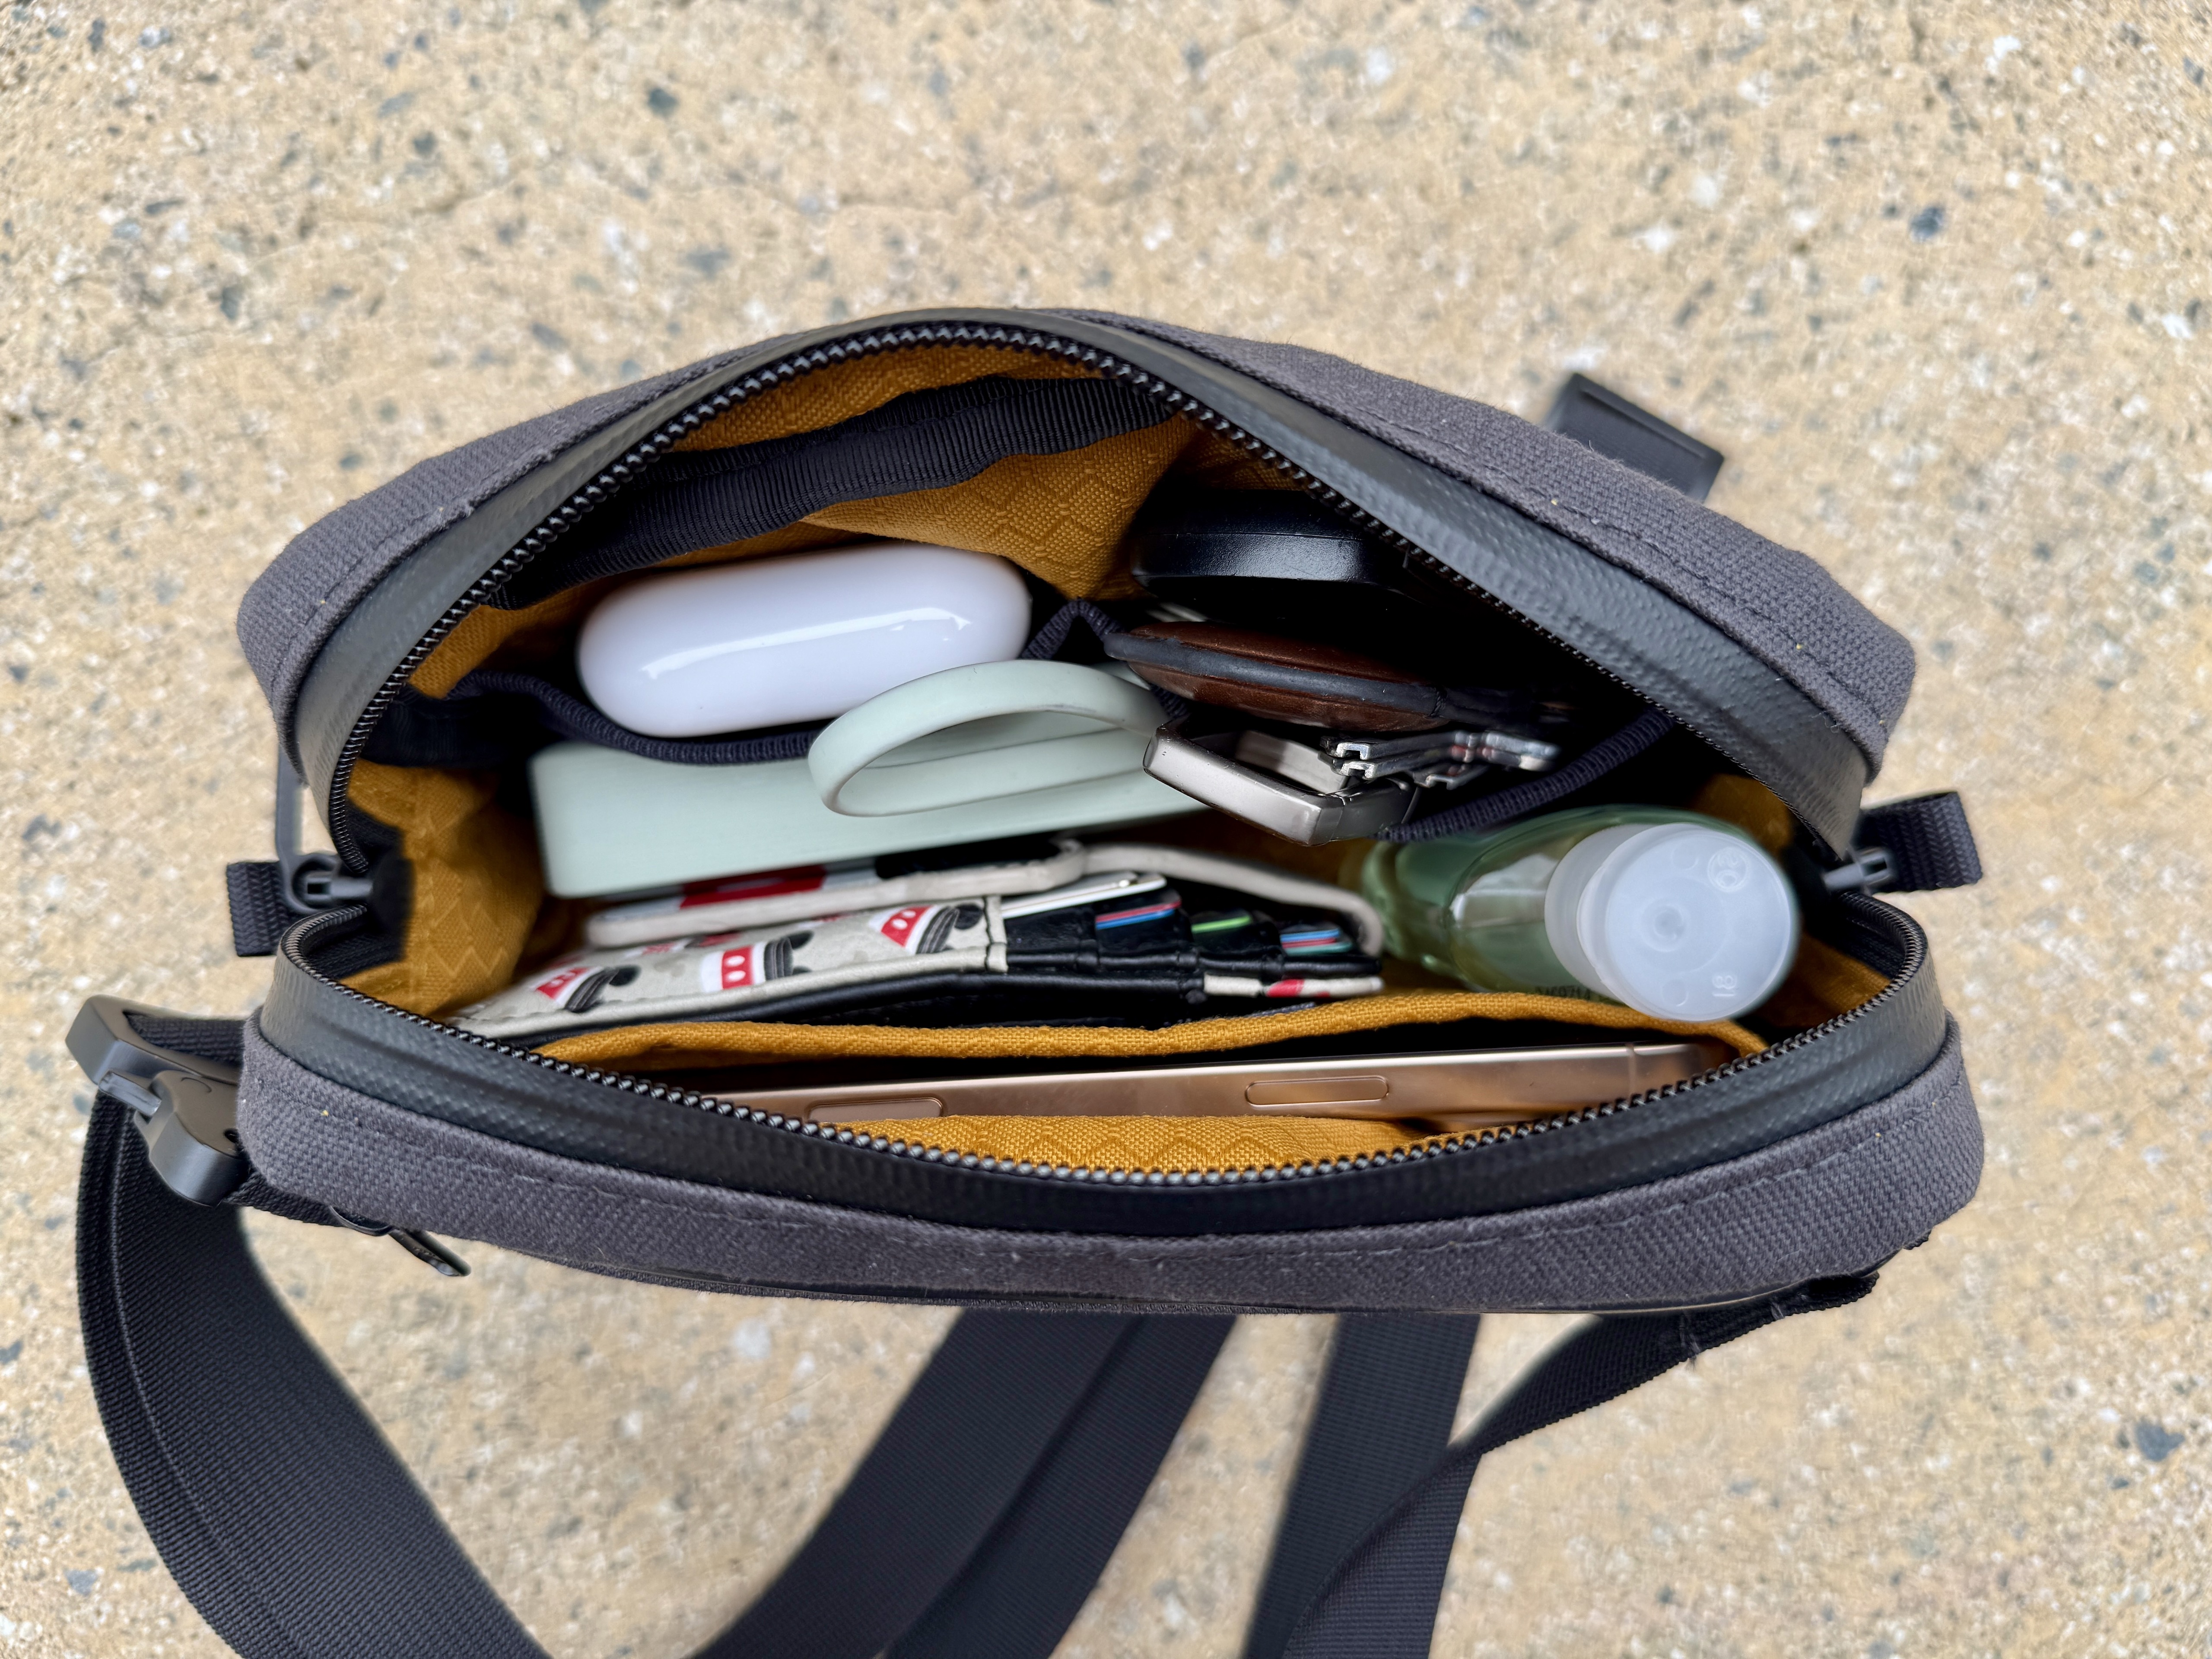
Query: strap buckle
x: 186, y: 1108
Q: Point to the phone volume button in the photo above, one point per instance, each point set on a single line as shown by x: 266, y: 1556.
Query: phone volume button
x: 885, y: 1107
x: 1324, y: 1090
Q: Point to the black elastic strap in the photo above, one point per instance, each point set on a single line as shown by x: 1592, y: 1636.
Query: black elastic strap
x: 1929, y: 843
x: 1382, y: 1419
x: 568, y: 716
x: 493, y: 716
x: 925, y: 440
x: 1045, y: 645
x: 259, y: 915
x: 1031, y: 1577
x: 1381, y: 1601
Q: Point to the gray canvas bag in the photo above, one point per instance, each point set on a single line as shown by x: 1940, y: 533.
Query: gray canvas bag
x: 1097, y: 1296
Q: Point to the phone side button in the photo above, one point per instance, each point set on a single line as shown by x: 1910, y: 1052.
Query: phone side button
x: 868, y: 1111
x: 1278, y: 1092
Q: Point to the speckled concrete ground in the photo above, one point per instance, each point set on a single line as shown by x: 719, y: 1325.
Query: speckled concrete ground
x: 1935, y: 276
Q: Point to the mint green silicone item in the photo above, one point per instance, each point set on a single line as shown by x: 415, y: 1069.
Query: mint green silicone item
x: 614, y: 823
x: 977, y: 733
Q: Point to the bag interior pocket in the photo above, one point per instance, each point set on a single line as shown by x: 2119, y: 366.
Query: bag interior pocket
x: 479, y: 915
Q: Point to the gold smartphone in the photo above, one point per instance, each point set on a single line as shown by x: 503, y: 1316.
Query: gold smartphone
x: 1462, y: 1089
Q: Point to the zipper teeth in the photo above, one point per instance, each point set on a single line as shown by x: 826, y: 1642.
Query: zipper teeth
x: 584, y: 501
x: 1436, y: 1146
x: 581, y: 504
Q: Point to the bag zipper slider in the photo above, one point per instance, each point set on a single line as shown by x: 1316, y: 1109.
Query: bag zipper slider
x: 186, y: 1108
x: 308, y: 882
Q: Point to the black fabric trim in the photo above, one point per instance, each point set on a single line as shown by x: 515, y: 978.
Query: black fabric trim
x: 1929, y: 843
x: 259, y: 915
x: 922, y: 441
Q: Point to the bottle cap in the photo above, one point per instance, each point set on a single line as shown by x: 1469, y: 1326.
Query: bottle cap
x: 1678, y: 920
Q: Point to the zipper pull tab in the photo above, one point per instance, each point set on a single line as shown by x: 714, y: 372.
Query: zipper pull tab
x: 425, y: 1249
x: 309, y: 881
x: 1870, y: 869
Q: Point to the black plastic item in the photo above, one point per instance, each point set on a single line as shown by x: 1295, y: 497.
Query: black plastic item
x: 184, y: 1105
x: 1606, y: 422
x: 1283, y: 560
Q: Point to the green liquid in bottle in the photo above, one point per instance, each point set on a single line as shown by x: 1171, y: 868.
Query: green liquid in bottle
x: 1695, y: 924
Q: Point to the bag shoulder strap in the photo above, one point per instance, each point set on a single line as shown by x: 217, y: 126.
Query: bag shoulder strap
x: 985, y: 1510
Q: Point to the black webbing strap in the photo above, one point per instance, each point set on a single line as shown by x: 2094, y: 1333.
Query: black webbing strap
x: 1381, y: 1601
x: 281, y: 1512
x: 989, y: 1407
x: 1382, y: 1420
x: 259, y: 915
x: 289, y: 1522
x: 1929, y: 843
x: 1025, y: 1586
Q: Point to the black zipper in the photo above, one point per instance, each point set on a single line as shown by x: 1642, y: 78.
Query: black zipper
x: 641, y: 458
x: 1907, y: 983
x: 1769, y: 1074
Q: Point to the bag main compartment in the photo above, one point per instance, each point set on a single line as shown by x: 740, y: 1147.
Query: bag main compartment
x: 477, y: 914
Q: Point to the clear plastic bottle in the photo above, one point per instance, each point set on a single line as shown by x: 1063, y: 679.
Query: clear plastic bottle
x: 1670, y: 913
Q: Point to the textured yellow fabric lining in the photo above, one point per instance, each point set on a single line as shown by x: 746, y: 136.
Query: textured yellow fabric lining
x: 644, y: 1048
x: 1823, y: 982
x: 1165, y: 1144
x: 476, y: 885
x: 822, y: 397
x: 1749, y: 805
x: 1119, y: 1143
x: 1060, y: 517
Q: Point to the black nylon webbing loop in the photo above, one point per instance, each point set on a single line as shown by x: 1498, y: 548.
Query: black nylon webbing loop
x: 1929, y: 843
x: 984, y: 1513
x: 989, y: 1503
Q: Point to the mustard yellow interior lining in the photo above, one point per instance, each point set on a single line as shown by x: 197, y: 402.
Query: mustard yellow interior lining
x: 649, y: 1048
x: 1170, y: 1145
x: 478, y: 890
x: 478, y: 907
x: 1116, y: 1143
